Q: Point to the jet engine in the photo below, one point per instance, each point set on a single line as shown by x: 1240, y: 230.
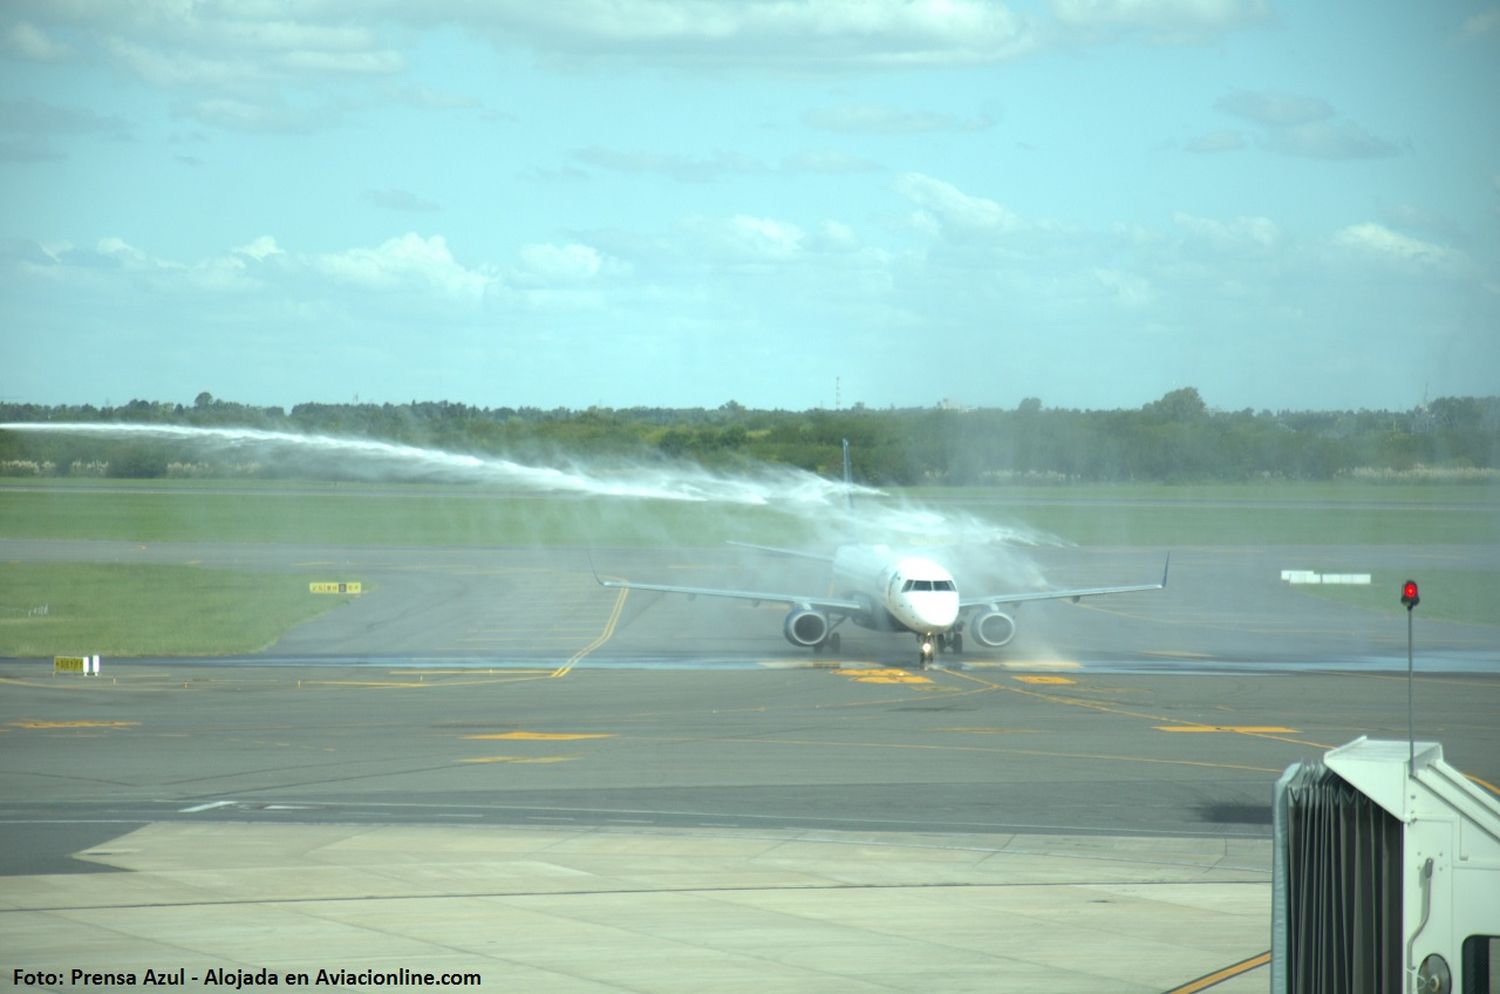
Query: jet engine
x: 805, y: 627
x: 993, y: 628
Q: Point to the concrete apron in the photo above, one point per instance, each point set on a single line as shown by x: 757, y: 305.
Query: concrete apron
x: 653, y: 910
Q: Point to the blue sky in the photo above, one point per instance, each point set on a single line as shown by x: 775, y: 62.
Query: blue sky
x: 684, y: 202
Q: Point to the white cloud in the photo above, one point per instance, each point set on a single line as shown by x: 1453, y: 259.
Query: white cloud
x: 1171, y: 21
x: 1255, y: 233
x: 1275, y: 110
x: 214, y: 274
x: 744, y: 238
x: 1305, y: 126
x: 354, y: 63
x: 943, y: 205
x: 832, y: 163
x: 1331, y: 140
x: 1127, y: 288
x: 823, y: 36
x: 830, y: 35
x: 571, y: 263
x: 1486, y: 22
x: 1381, y: 242
x: 420, y: 269
x: 29, y: 42
x: 122, y: 252
x: 271, y: 115
x: 407, y: 262
x: 260, y: 249
x: 179, y: 68
x: 834, y: 236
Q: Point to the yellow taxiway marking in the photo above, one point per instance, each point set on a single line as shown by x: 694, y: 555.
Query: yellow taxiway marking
x: 1216, y: 978
x: 1042, y: 664
x: 1044, y: 679
x: 604, y: 636
x: 541, y: 736
x: 1123, y: 712
x: 489, y: 671
x: 884, y: 675
x: 1241, y: 729
x: 519, y: 760
x: 361, y: 683
x: 44, y: 725
x: 1485, y: 784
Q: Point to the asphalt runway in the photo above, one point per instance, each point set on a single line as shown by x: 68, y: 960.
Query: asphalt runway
x: 504, y: 690
x: 1162, y: 712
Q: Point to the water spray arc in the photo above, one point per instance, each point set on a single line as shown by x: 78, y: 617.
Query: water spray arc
x: 401, y: 460
x: 796, y: 492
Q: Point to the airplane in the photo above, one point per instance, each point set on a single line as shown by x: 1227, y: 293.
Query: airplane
x: 888, y: 592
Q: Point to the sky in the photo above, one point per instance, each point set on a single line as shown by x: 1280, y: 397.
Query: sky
x: 679, y: 203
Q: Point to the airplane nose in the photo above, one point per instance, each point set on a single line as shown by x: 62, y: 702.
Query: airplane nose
x: 937, y: 613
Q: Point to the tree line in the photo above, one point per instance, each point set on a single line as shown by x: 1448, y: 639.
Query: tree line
x: 1174, y: 439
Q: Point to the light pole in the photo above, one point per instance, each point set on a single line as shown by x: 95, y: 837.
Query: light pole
x: 1410, y: 599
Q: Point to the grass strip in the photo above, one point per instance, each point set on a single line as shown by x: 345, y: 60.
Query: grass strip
x: 386, y: 514
x: 134, y: 610
x: 1448, y: 595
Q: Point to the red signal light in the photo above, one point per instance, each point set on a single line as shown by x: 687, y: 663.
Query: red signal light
x: 1409, y: 594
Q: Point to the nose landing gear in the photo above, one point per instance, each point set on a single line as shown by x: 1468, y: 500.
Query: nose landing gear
x: 928, y: 646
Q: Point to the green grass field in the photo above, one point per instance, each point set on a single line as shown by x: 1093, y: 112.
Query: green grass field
x: 160, y: 610
x: 352, y: 514
x: 128, y: 610
x: 1453, y: 595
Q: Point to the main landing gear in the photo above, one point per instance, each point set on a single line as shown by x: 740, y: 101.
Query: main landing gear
x: 829, y: 644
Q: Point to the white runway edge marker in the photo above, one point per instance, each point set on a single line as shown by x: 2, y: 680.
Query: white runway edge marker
x: 206, y: 807
x: 1307, y: 576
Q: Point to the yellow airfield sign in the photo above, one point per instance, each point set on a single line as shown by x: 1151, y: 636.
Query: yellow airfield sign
x: 336, y: 588
x: 87, y: 665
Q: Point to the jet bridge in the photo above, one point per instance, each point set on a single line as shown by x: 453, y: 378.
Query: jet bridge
x: 1386, y: 875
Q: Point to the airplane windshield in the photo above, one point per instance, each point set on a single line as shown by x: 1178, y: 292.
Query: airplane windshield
x: 920, y: 585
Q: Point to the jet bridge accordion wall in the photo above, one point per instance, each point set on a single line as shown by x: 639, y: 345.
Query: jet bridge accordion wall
x: 1386, y: 875
x: 1338, y: 883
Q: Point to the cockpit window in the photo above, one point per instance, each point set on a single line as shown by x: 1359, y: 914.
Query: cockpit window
x: 921, y: 585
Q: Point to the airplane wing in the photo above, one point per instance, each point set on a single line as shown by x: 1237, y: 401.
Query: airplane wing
x: 833, y: 604
x: 795, y: 553
x: 1073, y: 595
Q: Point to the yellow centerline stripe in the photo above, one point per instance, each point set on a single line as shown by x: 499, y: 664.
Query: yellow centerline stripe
x: 604, y: 636
x: 1216, y: 978
x: 1242, y: 729
x: 540, y: 736
x: 38, y: 724
x: 1107, y: 709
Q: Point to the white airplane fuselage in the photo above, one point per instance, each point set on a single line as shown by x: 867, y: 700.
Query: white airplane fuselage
x: 905, y: 593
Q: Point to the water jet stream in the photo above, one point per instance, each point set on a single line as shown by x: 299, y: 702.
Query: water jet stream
x: 798, y: 492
